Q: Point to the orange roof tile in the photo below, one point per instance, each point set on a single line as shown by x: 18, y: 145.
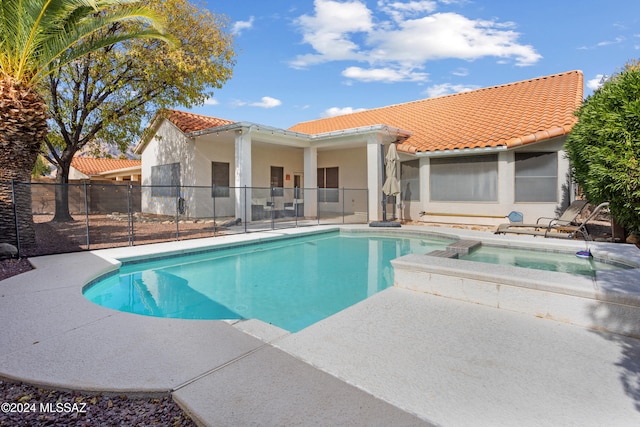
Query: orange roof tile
x: 94, y: 166
x: 189, y: 122
x: 508, y: 115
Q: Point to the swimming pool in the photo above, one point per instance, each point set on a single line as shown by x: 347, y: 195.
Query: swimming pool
x: 290, y: 283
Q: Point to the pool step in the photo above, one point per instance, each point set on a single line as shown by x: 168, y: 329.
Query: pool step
x: 463, y: 247
x: 444, y: 254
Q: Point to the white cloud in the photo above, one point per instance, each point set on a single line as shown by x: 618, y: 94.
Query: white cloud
x: 240, y: 26
x: 339, y: 111
x: 596, y: 82
x: 617, y: 40
x: 328, y: 32
x: 211, y: 101
x: 451, y: 36
x: 267, y: 102
x: 400, y: 11
x: 460, y: 72
x: 447, y: 88
x: 412, y: 36
x: 387, y: 75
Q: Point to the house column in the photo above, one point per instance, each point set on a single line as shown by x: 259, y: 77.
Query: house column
x: 506, y: 182
x: 375, y: 163
x: 425, y: 183
x: 310, y: 182
x: 243, y: 174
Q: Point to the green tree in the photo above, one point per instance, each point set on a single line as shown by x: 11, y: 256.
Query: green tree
x: 37, y: 37
x: 110, y: 94
x: 604, y: 146
x: 41, y: 167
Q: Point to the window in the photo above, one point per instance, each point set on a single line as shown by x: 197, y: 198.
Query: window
x: 165, y: 180
x: 410, y: 180
x: 536, y: 177
x: 464, y: 179
x: 328, y: 185
x: 277, y: 181
x: 220, y: 179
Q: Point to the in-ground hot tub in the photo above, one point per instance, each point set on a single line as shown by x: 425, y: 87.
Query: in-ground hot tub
x: 607, y: 300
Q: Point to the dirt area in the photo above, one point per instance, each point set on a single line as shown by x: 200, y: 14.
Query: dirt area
x: 105, y: 231
x: 108, y: 231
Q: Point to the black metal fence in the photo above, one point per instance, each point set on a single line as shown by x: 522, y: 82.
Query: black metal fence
x: 90, y: 215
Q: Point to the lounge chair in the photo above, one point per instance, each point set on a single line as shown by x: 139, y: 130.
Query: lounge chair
x: 295, y: 208
x: 565, y: 226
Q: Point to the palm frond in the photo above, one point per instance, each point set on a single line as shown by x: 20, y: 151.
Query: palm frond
x: 37, y: 35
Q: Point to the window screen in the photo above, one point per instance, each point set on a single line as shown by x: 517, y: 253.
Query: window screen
x: 464, y: 179
x: 328, y: 184
x: 220, y: 179
x: 165, y: 180
x: 536, y: 177
x: 410, y: 180
x: 277, y: 180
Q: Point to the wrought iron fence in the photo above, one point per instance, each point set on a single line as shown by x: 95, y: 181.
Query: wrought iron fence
x: 65, y: 218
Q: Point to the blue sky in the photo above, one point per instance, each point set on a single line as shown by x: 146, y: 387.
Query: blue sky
x: 301, y: 60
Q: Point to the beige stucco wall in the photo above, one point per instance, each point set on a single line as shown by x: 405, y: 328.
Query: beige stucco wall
x: 352, y: 176
x: 169, y: 145
x: 196, y: 155
x: 75, y: 174
x: 493, y: 213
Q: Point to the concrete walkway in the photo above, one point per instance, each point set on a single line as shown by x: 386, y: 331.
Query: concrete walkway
x: 397, y: 358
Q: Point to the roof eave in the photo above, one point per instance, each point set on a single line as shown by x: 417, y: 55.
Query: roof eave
x: 249, y: 127
x: 540, y: 136
x: 258, y: 128
x: 461, y: 151
x: 149, y: 133
x: 121, y: 171
x: 537, y: 137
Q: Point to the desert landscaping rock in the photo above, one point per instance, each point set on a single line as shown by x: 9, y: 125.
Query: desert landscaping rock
x: 8, y: 251
x: 42, y: 407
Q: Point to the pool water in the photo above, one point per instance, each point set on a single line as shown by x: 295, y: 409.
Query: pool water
x: 290, y: 283
x: 538, y: 260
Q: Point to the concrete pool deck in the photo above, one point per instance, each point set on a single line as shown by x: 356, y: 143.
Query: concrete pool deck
x: 400, y: 357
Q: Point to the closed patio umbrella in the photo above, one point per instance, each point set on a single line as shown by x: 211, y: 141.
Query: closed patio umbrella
x: 391, y: 186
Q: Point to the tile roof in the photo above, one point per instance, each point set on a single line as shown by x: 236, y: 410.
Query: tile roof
x: 508, y: 115
x: 189, y: 122
x: 95, y: 166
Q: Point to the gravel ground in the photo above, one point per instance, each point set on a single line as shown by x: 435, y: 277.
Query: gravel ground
x: 11, y: 267
x: 25, y: 405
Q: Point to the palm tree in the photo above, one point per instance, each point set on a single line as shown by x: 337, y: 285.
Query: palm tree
x: 36, y: 38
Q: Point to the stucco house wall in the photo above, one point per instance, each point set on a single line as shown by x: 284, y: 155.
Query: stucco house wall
x: 168, y: 146
x: 352, y: 179
x: 195, y: 155
x: 493, y: 212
